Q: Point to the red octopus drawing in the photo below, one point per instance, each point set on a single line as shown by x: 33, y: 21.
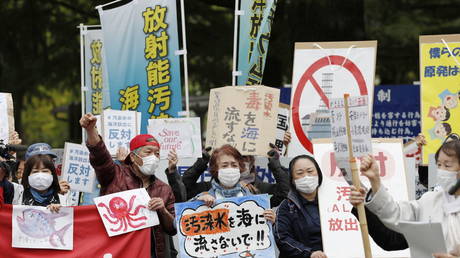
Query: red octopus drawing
x: 120, y: 211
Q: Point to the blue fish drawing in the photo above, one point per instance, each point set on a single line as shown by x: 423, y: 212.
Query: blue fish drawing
x: 38, y: 224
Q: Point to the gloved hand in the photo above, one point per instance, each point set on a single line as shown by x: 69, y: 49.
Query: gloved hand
x: 206, y: 154
x: 273, y: 157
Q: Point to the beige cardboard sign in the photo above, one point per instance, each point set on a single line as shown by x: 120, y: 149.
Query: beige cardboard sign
x: 244, y: 117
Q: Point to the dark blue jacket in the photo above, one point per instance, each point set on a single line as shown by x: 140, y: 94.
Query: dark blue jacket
x: 295, y: 227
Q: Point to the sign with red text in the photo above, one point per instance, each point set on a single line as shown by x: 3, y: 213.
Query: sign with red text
x: 325, y: 70
x: 339, y: 227
x: 180, y: 134
x: 244, y: 117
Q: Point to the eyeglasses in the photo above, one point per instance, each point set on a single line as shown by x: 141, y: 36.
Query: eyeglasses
x: 452, y: 137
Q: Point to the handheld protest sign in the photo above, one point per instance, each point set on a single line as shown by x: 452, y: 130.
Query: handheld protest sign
x: 244, y: 117
x: 76, y: 169
x: 38, y: 227
x: 352, y: 139
x: 282, y: 126
x: 118, y: 128
x: 354, y: 167
x: 6, y: 116
x: 340, y: 229
x: 234, y: 227
x: 440, y: 88
x: 180, y: 134
x: 324, y: 70
x: 126, y: 211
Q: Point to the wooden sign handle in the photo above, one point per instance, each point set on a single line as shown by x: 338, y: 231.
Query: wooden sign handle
x: 357, y: 184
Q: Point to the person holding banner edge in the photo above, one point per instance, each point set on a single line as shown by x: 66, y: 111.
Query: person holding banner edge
x: 137, y: 170
x: 298, y: 227
x: 437, y: 206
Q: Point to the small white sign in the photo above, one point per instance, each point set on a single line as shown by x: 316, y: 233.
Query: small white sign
x: 76, y: 169
x: 126, y: 211
x: 180, y: 134
x: 37, y: 227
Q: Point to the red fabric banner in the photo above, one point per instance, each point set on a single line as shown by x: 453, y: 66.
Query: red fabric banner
x: 89, y: 239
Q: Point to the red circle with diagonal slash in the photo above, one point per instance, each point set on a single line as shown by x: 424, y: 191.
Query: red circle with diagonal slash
x: 308, y: 76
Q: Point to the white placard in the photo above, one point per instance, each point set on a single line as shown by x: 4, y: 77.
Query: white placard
x: 339, y: 227
x: 126, y: 211
x: 76, y: 169
x: 4, y: 125
x: 180, y: 134
x: 360, y: 130
x: 325, y: 70
x: 38, y: 227
x: 282, y: 126
x: 118, y: 128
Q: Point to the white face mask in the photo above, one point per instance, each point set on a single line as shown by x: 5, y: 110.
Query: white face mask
x: 40, y: 181
x: 306, y: 184
x: 149, y: 165
x: 228, y: 177
x: 446, y: 179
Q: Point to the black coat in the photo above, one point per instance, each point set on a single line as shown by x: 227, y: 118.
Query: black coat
x: 384, y: 237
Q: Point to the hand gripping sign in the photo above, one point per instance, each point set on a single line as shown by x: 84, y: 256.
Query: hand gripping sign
x: 323, y: 73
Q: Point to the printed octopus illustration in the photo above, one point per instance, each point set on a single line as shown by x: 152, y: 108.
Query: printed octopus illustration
x: 120, y: 211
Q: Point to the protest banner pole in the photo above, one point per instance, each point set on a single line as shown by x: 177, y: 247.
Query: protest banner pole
x: 82, y: 77
x: 357, y: 184
x: 184, y: 49
x: 235, y: 41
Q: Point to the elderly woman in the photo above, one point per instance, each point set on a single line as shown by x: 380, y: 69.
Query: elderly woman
x: 226, y: 165
x: 298, y: 228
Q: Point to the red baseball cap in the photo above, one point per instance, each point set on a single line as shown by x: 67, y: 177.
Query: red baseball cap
x: 143, y: 140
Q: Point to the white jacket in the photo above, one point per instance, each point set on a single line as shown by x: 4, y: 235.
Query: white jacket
x: 434, y: 206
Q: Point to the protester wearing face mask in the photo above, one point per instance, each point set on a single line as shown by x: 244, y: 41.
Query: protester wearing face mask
x: 248, y: 178
x: 41, y: 184
x: 298, y: 227
x: 225, y: 166
x: 435, y: 206
x: 136, y: 171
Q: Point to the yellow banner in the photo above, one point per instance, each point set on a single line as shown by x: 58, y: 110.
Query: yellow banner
x: 440, y: 79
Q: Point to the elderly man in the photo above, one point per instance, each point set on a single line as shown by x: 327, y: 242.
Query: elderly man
x: 136, y: 171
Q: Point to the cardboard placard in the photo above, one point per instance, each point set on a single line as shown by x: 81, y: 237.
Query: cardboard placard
x: 244, y: 117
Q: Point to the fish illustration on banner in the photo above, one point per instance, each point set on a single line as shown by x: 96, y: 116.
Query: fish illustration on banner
x: 233, y: 227
x: 38, y: 227
x: 126, y: 211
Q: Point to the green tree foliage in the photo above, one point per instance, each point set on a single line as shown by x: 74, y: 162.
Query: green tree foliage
x: 40, y: 51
